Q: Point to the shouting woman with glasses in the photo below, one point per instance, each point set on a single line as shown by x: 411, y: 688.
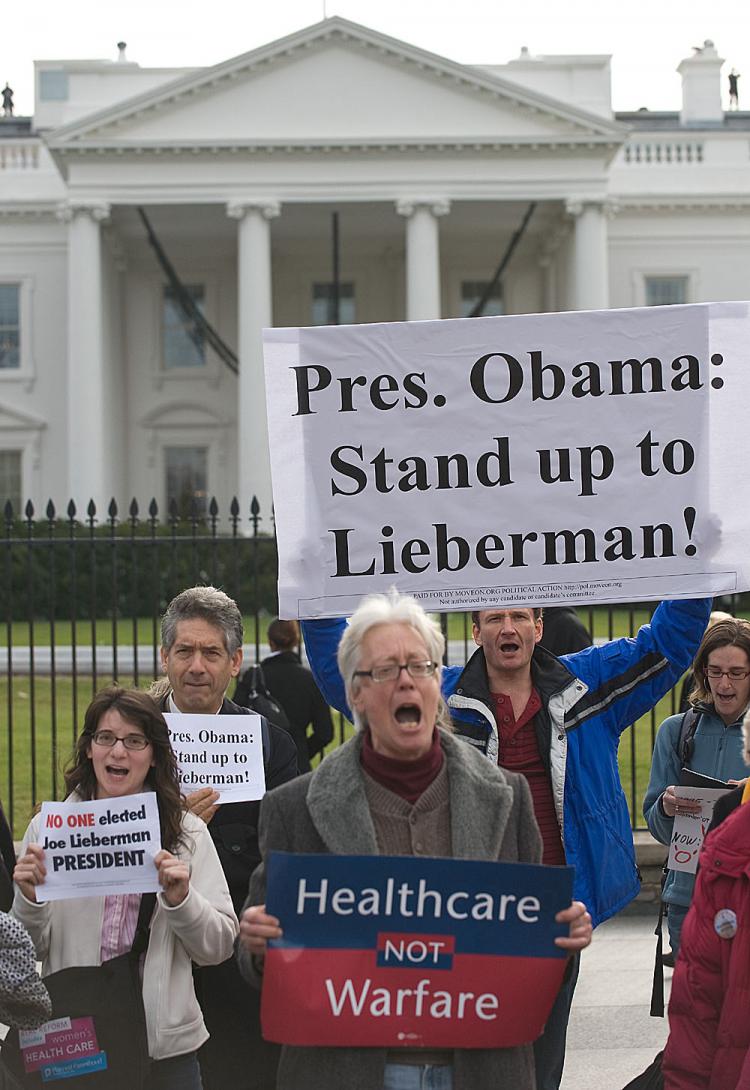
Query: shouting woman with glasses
x: 719, y: 698
x: 402, y: 786
x: 124, y: 749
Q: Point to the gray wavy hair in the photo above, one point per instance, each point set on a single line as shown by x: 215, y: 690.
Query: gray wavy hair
x: 207, y: 604
x: 390, y: 608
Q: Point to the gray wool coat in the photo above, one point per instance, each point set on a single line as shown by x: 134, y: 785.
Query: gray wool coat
x: 326, y: 811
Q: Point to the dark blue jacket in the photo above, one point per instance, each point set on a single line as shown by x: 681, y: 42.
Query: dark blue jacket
x: 588, y: 699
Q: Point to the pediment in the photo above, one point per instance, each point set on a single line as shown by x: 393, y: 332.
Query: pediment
x: 182, y: 414
x: 12, y: 419
x: 336, y: 83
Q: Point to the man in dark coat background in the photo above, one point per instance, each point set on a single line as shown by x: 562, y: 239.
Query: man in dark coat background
x: 293, y: 686
x: 201, y: 651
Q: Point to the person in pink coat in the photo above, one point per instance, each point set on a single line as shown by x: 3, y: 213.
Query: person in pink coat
x: 709, y: 1011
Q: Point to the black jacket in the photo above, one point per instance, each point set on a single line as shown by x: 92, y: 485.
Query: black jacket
x: 294, y: 687
x: 7, y: 863
x: 234, y: 826
x: 563, y: 631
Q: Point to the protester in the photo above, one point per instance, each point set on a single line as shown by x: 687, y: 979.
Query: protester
x: 7, y: 863
x: 688, y: 681
x: 124, y: 749
x: 201, y: 651
x: 720, y: 695
x: 24, y: 1000
x: 563, y: 631
x: 709, y: 1038
x: 294, y: 687
x: 401, y: 786
x: 558, y: 721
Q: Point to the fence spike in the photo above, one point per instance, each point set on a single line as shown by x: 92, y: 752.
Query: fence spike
x: 112, y: 509
x: 133, y: 512
x: 50, y: 512
x: 29, y: 510
x: 8, y: 512
x: 153, y: 508
x: 71, y: 511
x: 234, y: 508
x: 91, y: 511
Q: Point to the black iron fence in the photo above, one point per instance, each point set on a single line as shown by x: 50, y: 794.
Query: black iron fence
x: 82, y: 598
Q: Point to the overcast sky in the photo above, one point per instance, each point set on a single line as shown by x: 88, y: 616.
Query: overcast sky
x: 647, y: 38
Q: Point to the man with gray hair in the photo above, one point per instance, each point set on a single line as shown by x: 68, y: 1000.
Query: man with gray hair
x: 201, y: 651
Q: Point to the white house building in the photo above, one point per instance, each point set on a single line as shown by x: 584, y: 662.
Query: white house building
x: 431, y: 167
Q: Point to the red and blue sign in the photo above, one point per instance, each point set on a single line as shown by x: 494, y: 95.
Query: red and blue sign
x: 391, y: 952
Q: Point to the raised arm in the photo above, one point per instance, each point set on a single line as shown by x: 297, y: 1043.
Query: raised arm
x: 321, y: 643
x: 627, y: 677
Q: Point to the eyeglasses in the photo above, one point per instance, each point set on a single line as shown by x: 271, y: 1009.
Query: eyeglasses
x: 392, y: 670
x: 735, y: 674
x: 107, y: 738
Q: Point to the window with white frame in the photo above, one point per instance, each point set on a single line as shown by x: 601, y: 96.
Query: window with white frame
x: 183, y: 345
x: 10, y: 327
x: 324, y: 304
x: 666, y: 290
x: 10, y: 480
x: 473, y: 290
x: 187, y: 480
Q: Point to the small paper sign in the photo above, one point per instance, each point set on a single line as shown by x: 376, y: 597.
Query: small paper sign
x: 689, y: 830
x: 224, y: 752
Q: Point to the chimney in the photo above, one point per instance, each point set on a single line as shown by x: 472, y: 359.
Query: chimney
x: 701, y: 85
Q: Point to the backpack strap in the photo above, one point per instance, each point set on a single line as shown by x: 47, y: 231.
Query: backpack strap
x: 145, y: 912
x: 687, y: 732
x: 688, y: 728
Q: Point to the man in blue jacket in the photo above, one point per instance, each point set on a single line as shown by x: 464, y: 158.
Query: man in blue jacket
x: 557, y: 720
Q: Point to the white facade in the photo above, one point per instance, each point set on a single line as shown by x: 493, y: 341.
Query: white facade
x: 430, y: 166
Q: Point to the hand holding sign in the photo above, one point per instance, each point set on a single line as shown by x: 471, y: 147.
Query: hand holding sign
x: 671, y: 805
x: 257, y: 928
x: 30, y: 871
x: 203, y: 803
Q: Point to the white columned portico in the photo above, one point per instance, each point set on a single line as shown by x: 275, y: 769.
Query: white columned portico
x: 590, y: 258
x: 422, y: 256
x: 88, y: 415
x: 254, y: 312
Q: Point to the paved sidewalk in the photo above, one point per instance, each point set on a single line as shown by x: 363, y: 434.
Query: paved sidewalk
x: 612, y: 1037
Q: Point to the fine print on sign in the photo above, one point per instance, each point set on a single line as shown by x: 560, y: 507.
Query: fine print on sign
x: 100, y: 847
x: 530, y: 458
x: 224, y: 752
x: 419, y: 953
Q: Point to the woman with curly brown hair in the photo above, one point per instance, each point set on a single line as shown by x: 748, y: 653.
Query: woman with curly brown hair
x: 124, y: 749
x: 719, y: 698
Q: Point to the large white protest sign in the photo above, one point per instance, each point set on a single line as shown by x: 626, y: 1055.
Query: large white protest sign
x: 224, y: 752
x: 101, y: 847
x: 545, y: 458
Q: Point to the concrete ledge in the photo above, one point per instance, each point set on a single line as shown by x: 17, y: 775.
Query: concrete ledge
x: 648, y: 852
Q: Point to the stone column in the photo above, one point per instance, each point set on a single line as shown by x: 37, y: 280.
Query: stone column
x: 254, y: 311
x: 89, y: 415
x: 422, y: 256
x: 590, y: 257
